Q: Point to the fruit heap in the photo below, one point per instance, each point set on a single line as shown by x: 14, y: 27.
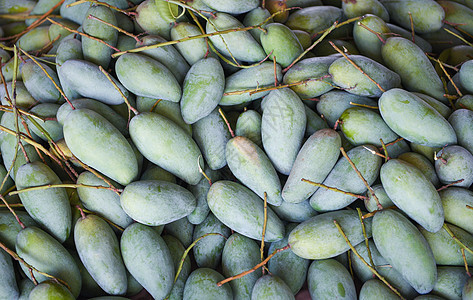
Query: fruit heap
x: 236, y: 149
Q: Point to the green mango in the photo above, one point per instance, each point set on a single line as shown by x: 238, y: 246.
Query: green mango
x: 283, y: 126
x: 319, y: 238
x: 99, y: 250
x: 407, y: 34
x: 462, y: 120
x: 442, y: 40
x: 17, y: 158
x: 200, y: 191
x: 211, y: 134
x: 95, y: 85
x: 329, y: 279
x: 255, y: 17
x: 389, y: 273
x: 50, y: 289
x: 467, y: 291
x: 75, y: 13
x: 8, y: 121
x: 281, y: 44
x: 314, y: 162
x: 376, y: 289
x: 457, y: 13
x: 455, y: 201
x: 364, y: 126
x: 294, y: 212
x: 156, y: 17
x: 314, y: 122
x: 99, y: 144
x: 208, y: 251
x: 147, y: 77
x: 17, y: 6
x: 167, y: 145
x: 405, y: 249
x: 25, y: 286
x: 241, y: 45
x: 45, y: 253
x: 124, y: 42
x: 232, y: 7
x: 423, y: 164
x: 303, y: 38
x: 427, y: 15
x: 369, y: 34
x: 35, y: 39
x: 324, y: 48
x: 454, y: 163
x: 168, y: 109
x: 346, y: 76
x: 466, y: 76
x: 413, y: 193
x: 253, y: 78
x: 401, y: 111
x: 249, y: 164
x: 202, y: 285
x: 8, y: 181
x: 181, y: 229
x: 50, y: 207
x: 363, y: 7
x: 90, y: 288
x: 94, y: 51
x: 154, y: 202
x: 445, y: 249
x: 102, y: 109
x: 8, y: 286
x: 463, y: 102
x: 413, y: 66
x: 147, y: 257
x: 332, y: 104
x: 23, y: 97
x: 314, y: 19
x: 450, y: 282
x: 241, y: 254
x: 291, y: 268
x: 104, y: 202
x: 313, y: 70
x: 243, y: 211
x: 153, y: 172
x: 443, y: 109
x: 344, y: 177
x: 38, y: 84
x: 271, y: 287
x: 9, y: 226
x: 52, y: 127
x: 192, y: 50
x: 176, y: 250
x: 202, y: 90
x: 249, y: 125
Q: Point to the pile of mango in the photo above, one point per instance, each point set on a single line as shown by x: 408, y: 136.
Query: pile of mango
x: 236, y: 149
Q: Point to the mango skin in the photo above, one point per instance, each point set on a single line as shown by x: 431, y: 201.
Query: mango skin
x: 8, y: 286
x: 244, y: 215
x: 314, y: 19
x: 99, y: 250
x: 346, y: 76
x: 271, y: 287
x: 36, y: 247
x: 314, y: 162
x: 281, y: 44
x: 445, y: 249
x: 38, y: 84
x: 249, y: 125
x: 202, y: 90
x: 343, y: 177
x: 282, y: 128
x: 176, y: 250
x: 413, y: 119
x: 232, y: 7
x: 461, y: 121
x: 50, y: 289
x: 363, y: 7
x: 366, y: 41
x: 147, y: 77
x: 326, y: 241
x: 294, y: 212
x: 376, y: 289
x: 457, y: 12
x: 427, y: 15
x: 50, y: 208
x: 208, y: 251
x: 413, y: 193
x: 193, y: 50
x: 95, y: 85
x: 35, y: 39
x: 457, y: 163
x: 404, y: 248
x: 10, y: 227
x: 52, y: 127
x: 155, y: 202
x: 466, y: 76
x: 450, y: 282
x: 181, y: 229
x: 202, y: 284
x: 167, y: 145
x: 252, y: 167
x: 240, y: 254
x: 454, y: 201
x: 423, y: 164
x: 329, y: 279
x: 96, y: 142
x: 200, y: 191
x: 147, y: 257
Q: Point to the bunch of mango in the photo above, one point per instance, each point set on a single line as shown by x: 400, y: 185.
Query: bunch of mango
x: 236, y: 149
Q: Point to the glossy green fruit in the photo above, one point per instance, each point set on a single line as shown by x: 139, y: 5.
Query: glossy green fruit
x: 329, y: 279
